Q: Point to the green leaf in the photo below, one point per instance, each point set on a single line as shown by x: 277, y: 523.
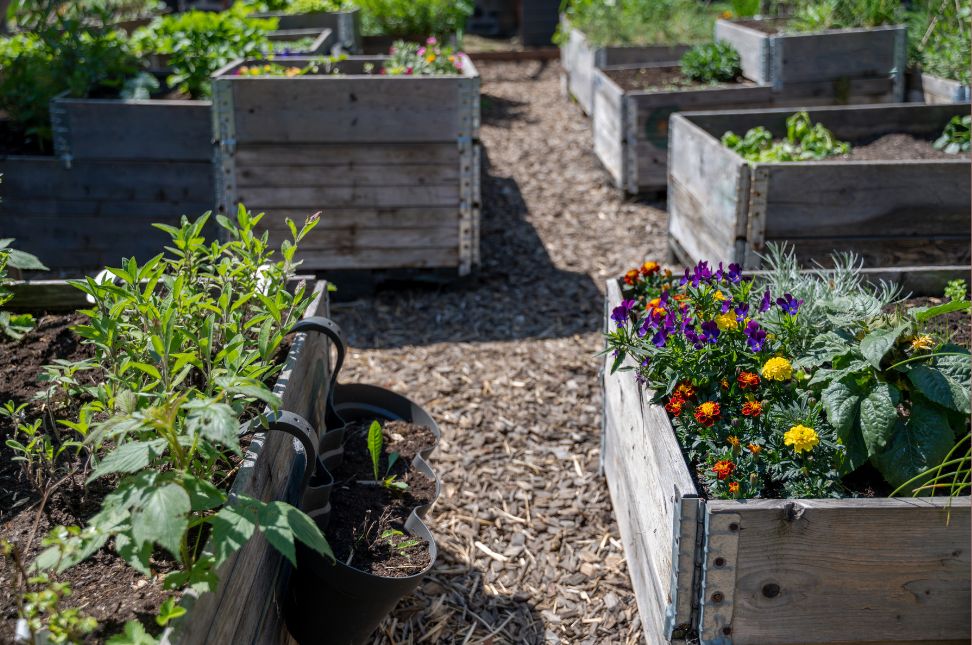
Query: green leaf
x: 841, y: 401
x: 921, y: 443
x: 162, y: 518
x: 922, y: 314
x: 133, y: 634
x: 203, y: 495
x: 878, y: 343
x: 25, y: 261
x: 232, y: 527
x: 280, y: 523
x: 215, y: 421
x: 128, y: 458
x: 139, y: 557
x: 251, y: 388
x: 879, y: 414
x: 374, y: 446
x: 938, y: 388
x: 169, y: 611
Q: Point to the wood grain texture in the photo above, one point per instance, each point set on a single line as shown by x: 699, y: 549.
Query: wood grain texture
x: 244, y: 609
x: 851, y: 570
x: 936, y: 90
x: 648, y: 480
x: 752, y: 45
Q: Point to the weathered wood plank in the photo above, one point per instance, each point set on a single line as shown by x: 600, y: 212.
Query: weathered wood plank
x: 608, y: 124
x: 347, y: 155
x: 315, y: 198
x: 351, y: 240
x: 936, y: 90
x: 752, y: 45
x: 891, y: 252
x: 367, y: 218
x: 844, y: 570
x: 387, y: 258
x: 399, y: 175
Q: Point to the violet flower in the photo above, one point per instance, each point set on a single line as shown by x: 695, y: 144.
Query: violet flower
x: 734, y: 274
x: 789, y: 304
x: 742, y: 311
x: 766, y: 302
x: 623, y: 312
x: 726, y: 306
x: 710, y: 331
x: 755, y: 336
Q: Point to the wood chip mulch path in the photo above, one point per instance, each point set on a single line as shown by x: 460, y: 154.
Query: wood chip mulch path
x: 529, y: 549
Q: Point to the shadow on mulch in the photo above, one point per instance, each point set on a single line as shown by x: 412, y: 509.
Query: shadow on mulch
x: 498, y: 111
x: 518, y: 292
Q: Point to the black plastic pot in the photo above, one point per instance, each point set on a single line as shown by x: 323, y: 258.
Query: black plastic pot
x: 330, y: 602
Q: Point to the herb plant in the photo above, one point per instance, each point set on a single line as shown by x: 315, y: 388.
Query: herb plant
x: 641, y: 22
x: 712, y: 63
x: 940, y: 38
x: 411, y: 18
x: 804, y: 141
x: 430, y: 59
x: 956, y: 289
x: 821, y: 15
x: 955, y: 137
x: 375, y: 444
x: 14, y: 325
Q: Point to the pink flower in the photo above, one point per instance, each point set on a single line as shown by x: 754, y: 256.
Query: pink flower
x: 421, y: 51
x: 408, y: 70
x: 431, y: 40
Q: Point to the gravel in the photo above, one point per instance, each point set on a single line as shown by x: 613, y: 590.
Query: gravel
x: 505, y: 361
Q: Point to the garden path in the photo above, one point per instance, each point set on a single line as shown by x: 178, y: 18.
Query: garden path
x: 529, y: 550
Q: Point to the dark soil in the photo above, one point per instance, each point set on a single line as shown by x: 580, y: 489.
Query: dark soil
x: 894, y: 147
x: 955, y: 327
x: 662, y: 79
x: 367, y: 525
x: 15, y: 142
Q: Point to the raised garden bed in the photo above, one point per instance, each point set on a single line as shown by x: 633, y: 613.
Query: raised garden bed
x: 580, y: 59
x: 309, y: 41
x: 346, y: 25
x: 391, y: 161
x: 931, y: 89
x: 891, y: 211
x: 836, y: 66
x: 872, y: 570
x: 632, y: 105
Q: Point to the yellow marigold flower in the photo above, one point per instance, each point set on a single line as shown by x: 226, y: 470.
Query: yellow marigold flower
x: 718, y: 296
x: 733, y: 488
x: 802, y: 438
x: 924, y: 341
x: 755, y: 448
x: 777, y: 369
x: 733, y: 440
x: 726, y: 321
x: 430, y: 58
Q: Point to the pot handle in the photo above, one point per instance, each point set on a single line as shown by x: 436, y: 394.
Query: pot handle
x: 297, y: 427
x: 329, y: 328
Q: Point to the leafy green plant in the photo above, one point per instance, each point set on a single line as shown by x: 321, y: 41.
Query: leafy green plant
x: 375, y: 445
x: 133, y: 633
x: 640, y: 22
x: 820, y: 15
x: 197, y: 43
x: 955, y: 137
x: 939, y: 37
x: 398, y: 540
x: 14, y: 325
x: 318, y: 6
x: 430, y: 59
x: 804, y: 141
x: 411, y: 18
x: 712, y: 63
x: 956, y: 289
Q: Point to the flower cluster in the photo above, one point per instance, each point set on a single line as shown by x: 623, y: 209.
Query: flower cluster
x: 430, y: 59
x: 718, y: 354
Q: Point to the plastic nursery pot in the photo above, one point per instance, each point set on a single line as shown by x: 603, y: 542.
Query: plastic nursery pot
x: 330, y: 602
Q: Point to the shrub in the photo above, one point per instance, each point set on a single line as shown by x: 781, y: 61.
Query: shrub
x: 939, y: 38
x: 414, y: 17
x: 820, y: 15
x: 641, y: 22
x: 712, y: 63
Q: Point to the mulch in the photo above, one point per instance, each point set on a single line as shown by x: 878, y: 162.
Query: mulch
x: 664, y: 79
x: 894, y: 147
x: 505, y: 361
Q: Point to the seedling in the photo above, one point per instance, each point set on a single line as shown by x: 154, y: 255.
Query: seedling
x: 391, y: 536
x: 375, y: 444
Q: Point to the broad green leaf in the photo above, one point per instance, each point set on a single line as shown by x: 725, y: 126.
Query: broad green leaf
x: 879, y: 414
x: 841, y: 401
x: 251, y: 388
x: 280, y: 523
x: 232, y: 527
x: 921, y: 443
x: 203, y: 495
x: 25, y: 261
x: 162, y: 518
x: 214, y: 421
x: 133, y: 634
x: 128, y: 458
x: 938, y: 388
x: 922, y: 314
x: 878, y: 343
x: 374, y: 446
x: 169, y: 610
x: 139, y: 557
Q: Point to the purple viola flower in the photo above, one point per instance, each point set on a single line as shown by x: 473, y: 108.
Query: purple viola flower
x: 660, y: 337
x: 693, y: 337
x: 623, y: 312
x: 685, y: 278
x: 710, y: 331
x: 645, y: 362
x: 719, y: 273
x: 645, y: 327
x: 726, y: 306
x: 766, y: 302
x: 755, y: 336
x: 789, y: 304
x: 734, y: 274
x: 742, y: 311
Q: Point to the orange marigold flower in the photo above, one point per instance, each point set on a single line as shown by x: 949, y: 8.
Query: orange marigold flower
x: 733, y: 440
x: 747, y: 380
x: 675, y: 405
x: 755, y: 448
x: 733, y: 487
x: 650, y: 268
x: 707, y: 413
x: 752, y: 408
x: 685, y: 390
x: 724, y: 383
x: 723, y: 468
x: 631, y: 276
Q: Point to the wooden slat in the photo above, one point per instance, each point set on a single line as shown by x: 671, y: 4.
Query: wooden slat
x: 347, y: 155
x: 168, y: 130
x: 891, y: 252
x: 938, y: 90
x: 848, y: 53
x: 841, y: 91
x: 752, y: 45
x: 374, y: 175
x: 350, y: 241
x: 386, y: 219
x: 849, y: 570
x: 608, y: 123
x: 323, y: 197
x: 387, y: 258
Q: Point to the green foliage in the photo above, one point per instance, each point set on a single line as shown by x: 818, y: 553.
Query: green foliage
x: 939, y: 37
x: 411, y: 18
x: 170, y: 610
x: 712, y: 63
x: 804, y: 141
x: 430, y: 59
x: 820, y: 15
x: 641, y: 22
x: 298, y: 6
x: 745, y: 8
x: 955, y: 137
x: 374, y: 447
x: 197, y: 43
x: 14, y: 325
x: 956, y: 289
x: 132, y: 634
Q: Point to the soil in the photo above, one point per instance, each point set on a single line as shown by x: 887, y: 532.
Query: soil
x: 662, y: 79
x: 894, y: 147
x: 955, y: 326
x: 15, y: 142
x: 367, y: 525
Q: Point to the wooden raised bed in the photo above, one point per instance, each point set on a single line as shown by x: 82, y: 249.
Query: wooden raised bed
x: 391, y: 161
x: 345, y: 25
x: 935, y: 90
x: 892, y: 213
x: 118, y: 167
x: 580, y: 59
x: 631, y: 127
x: 324, y: 40
x: 847, y: 66
x: 775, y: 571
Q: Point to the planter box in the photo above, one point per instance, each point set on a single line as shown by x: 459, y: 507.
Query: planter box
x: 631, y: 127
x: 579, y: 59
x: 935, y: 90
x: 247, y: 607
x: 775, y: 571
x: 822, y: 68
x: 324, y: 40
x: 346, y: 25
x: 119, y: 166
x: 538, y: 22
x: 892, y: 213
x: 392, y: 161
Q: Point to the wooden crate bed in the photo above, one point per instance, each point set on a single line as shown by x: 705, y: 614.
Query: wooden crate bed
x: 931, y: 89
x: 391, y: 161
x: 754, y: 572
x: 840, y: 66
x: 580, y: 59
x: 892, y: 213
x: 345, y: 25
